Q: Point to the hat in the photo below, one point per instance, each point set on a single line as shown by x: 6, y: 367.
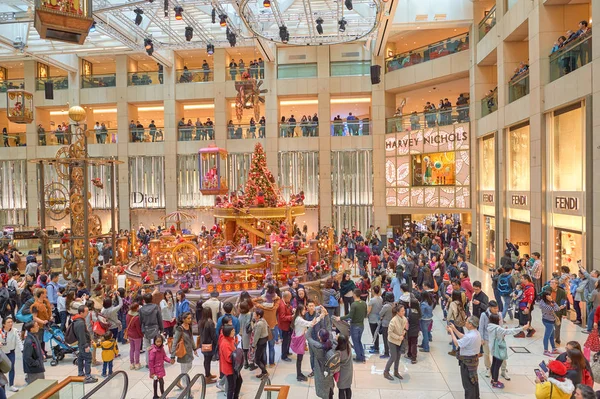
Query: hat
x: 446, y: 277
x: 214, y: 294
x: 557, y: 368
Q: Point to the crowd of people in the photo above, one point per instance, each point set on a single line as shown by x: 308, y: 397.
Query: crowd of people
x: 256, y: 69
x: 430, y: 52
x: 309, y: 126
x: 568, y: 60
x: 190, y: 131
x: 249, y: 132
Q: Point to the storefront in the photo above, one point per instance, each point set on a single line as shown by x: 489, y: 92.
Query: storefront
x: 566, y: 189
x: 518, y: 183
x: 146, y: 190
x: 487, y: 202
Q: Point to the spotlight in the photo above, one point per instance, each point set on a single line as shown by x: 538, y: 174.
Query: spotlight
x: 93, y: 27
x: 284, y: 34
x: 138, y: 16
x: 210, y: 49
x: 189, y: 33
x: 223, y: 20
x: 267, y: 3
x: 348, y: 4
x: 319, y: 22
x: 149, y: 46
x: 213, y: 16
x: 178, y: 10
x: 342, y: 22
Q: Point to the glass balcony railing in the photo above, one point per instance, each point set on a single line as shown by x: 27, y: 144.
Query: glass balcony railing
x: 518, y: 87
x: 487, y: 23
x: 193, y: 133
x: 245, y: 131
x: 14, y: 139
x: 572, y: 56
x: 351, y: 128
x: 147, y: 135
x: 58, y: 82
x: 429, y: 52
x: 236, y: 73
x: 423, y: 120
x: 194, y: 75
x: 350, y: 68
x: 295, y: 71
x: 103, y: 136
x: 144, y: 78
x: 489, y: 103
x: 10, y: 84
x: 94, y: 81
x: 302, y: 129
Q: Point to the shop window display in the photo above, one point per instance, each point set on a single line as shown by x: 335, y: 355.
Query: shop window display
x: 569, y: 248
x: 568, y: 159
x: 519, y: 160
x: 299, y: 171
x: 147, y: 182
x: 489, y: 240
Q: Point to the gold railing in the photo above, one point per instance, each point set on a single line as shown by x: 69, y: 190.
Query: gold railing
x: 56, y: 388
x: 283, y: 390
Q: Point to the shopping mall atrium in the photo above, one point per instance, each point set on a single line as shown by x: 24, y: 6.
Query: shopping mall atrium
x: 223, y: 146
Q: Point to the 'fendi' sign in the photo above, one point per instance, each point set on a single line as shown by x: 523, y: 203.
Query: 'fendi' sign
x: 488, y: 197
x: 570, y: 203
x: 518, y: 199
x: 441, y: 138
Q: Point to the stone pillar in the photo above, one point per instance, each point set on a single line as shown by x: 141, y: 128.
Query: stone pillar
x: 593, y: 207
x: 173, y: 111
x: 221, y: 102
x: 271, y: 113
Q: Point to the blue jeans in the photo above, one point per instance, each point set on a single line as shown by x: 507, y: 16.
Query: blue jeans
x: 506, y: 305
x: 84, y: 360
x: 425, y: 331
x: 590, y: 317
x: 123, y: 319
x: 548, y: 334
x: 271, y: 350
x: 107, y: 365
x: 11, y: 374
x: 356, y: 333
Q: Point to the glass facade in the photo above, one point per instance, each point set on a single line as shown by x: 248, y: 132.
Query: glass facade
x: 188, y: 184
x: 352, y: 189
x: 567, y: 147
x: 13, y: 185
x: 147, y: 182
x: 299, y: 171
x: 238, y: 165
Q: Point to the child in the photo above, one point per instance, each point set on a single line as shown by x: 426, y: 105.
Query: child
x: 109, y: 351
x: 156, y: 364
x: 61, y: 307
x: 517, y: 295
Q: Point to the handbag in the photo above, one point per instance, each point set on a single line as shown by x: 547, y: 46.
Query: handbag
x: 206, y: 348
x: 180, y: 349
x: 499, y: 349
x: 298, y: 344
x: 557, y: 320
x: 125, y: 333
x: 100, y: 326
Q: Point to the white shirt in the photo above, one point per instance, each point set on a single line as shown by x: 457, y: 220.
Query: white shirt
x: 470, y: 343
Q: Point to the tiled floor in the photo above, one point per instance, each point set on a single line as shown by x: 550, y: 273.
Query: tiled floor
x: 435, y: 376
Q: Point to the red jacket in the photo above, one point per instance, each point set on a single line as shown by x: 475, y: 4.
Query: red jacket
x: 466, y: 285
x: 226, y: 347
x: 134, y: 327
x: 285, y: 316
x: 528, y: 295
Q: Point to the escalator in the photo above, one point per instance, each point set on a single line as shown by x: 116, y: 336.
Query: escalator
x: 182, y: 381
x: 189, y: 393
x: 111, y: 386
x: 268, y: 391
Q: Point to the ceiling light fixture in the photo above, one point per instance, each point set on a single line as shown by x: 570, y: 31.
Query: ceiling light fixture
x: 267, y: 3
x: 199, y: 106
x: 342, y: 22
x: 284, y: 35
x: 149, y: 46
x: 150, y: 109
x: 319, y: 22
x: 105, y: 111
x: 213, y: 16
x: 138, y: 16
x: 210, y: 49
x: 178, y: 10
x: 189, y: 33
x: 223, y: 20
x: 348, y: 4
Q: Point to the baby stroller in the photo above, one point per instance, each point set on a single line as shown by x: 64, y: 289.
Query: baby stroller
x: 54, y: 336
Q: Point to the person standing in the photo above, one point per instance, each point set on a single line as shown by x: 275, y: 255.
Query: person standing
x: 110, y: 350
x: 183, y: 332
x: 559, y: 296
x: 536, y: 271
x: 134, y: 335
x: 300, y: 325
x: 497, y: 346
x: 414, y: 323
x: 226, y: 348
x: 167, y: 312
x: 373, y: 312
x: 549, y: 309
x: 150, y: 321
x: 259, y: 342
x: 41, y: 309
x: 396, y: 335
x: 207, y: 341
x: 480, y: 299
x: 469, y: 345
x: 84, y: 341
x: 157, y: 359
x: 484, y: 320
x: 33, y: 357
x: 42, y: 134
x: 526, y: 306
x: 344, y: 381
x: 323, y: 381
x: 111, y: 312
x: 347, y: 287
x: 285, y: 316
x: 358, y: 312
x: 426, y: 319
x: 9, y: 343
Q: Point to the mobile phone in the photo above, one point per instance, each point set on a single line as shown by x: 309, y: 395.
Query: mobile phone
x: 543, y: 366
x: 540, y: 375
x: 563, y: 302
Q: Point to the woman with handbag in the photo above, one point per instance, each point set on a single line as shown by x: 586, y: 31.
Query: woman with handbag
x: 134, y: 334
x: 298, y: 344
x: 245, y: 319
x: 260, y: 336
x: 167, y: 311
x: 183, y: 343
x: 207, y: 341
x: 497, y: 344
x: 396, y: 337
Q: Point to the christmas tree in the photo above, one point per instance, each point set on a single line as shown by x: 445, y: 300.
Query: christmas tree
x: 260, y: 188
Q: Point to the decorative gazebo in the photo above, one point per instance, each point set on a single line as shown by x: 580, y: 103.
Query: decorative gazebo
x: 213, y: 173
x: 19, y: 107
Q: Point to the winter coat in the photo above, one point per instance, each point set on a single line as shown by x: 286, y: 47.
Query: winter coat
x: 226, y: 347
x: 245, y: 319
x: 182, y: 307
x: 346, y: 370
x: 397, y: 330
x: 208, y: 335
x: 554, y: 389
x: 110, y: 350
x: 33, y: 358
x: 323, y: 384
x: 188, y: 342
x: 151, y: 320
x: 133, y: 324
x: 84, y: 339
x: 260, y: 330
x: 112, y: 314
x: 156, y: 361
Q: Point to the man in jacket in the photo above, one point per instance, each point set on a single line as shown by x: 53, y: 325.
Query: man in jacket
x: 525, y: 307
x: 33, y: 358
x: 480, y: 300
x: 284, y: 322
x: 324, y: 323
x: 52, y: 292
x: 358, y: 312
x: 151, y: 322
x: 84, y: 358
x: 592, y: 280
x: 559, y: 296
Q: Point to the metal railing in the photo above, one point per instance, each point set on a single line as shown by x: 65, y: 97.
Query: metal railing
x: 236, y: 73
x: 94, y: 81
x: 14, y: 139
x: 489, y: 103
x: 430, y: 119
x: 193, y: 133
x: 146, y: 135
x: 182, y: 381
x: 299, y: 129
x: 194, y: 75
x: 571, y: 57
x: 350, y: 68
x: 105, y: 136
x: 239, y: 131
x: 110, y: 383
x: 58, y: 83
x: 518, y: 87
x: 64, y: 389
x: 487, y: 23
x: 144, y: 78
x: 187, y: 392
x: 451, y: 45
x: 10, y: 84
x: 351, y: 128
x: 296, y: 71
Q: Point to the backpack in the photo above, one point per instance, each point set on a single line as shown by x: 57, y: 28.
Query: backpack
x: 333, y: 362
x: 504, y: 285
x: 461, y: 317
x: 70, y: 337
x: 237, y: 360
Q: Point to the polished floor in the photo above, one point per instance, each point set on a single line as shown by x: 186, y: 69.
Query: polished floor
x: 435, y: 376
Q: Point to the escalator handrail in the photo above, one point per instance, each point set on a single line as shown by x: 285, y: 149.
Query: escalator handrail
x: 174, y: 384
x: 282, y: 391
x: 106, y: 381
x: 188, y: 390
x: 56, y: 388
x: 264, y: 381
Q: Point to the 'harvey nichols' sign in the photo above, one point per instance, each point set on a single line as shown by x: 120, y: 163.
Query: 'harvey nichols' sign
x: 437, y: 139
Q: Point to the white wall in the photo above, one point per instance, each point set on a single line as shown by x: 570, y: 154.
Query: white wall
x: 455, y: 10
